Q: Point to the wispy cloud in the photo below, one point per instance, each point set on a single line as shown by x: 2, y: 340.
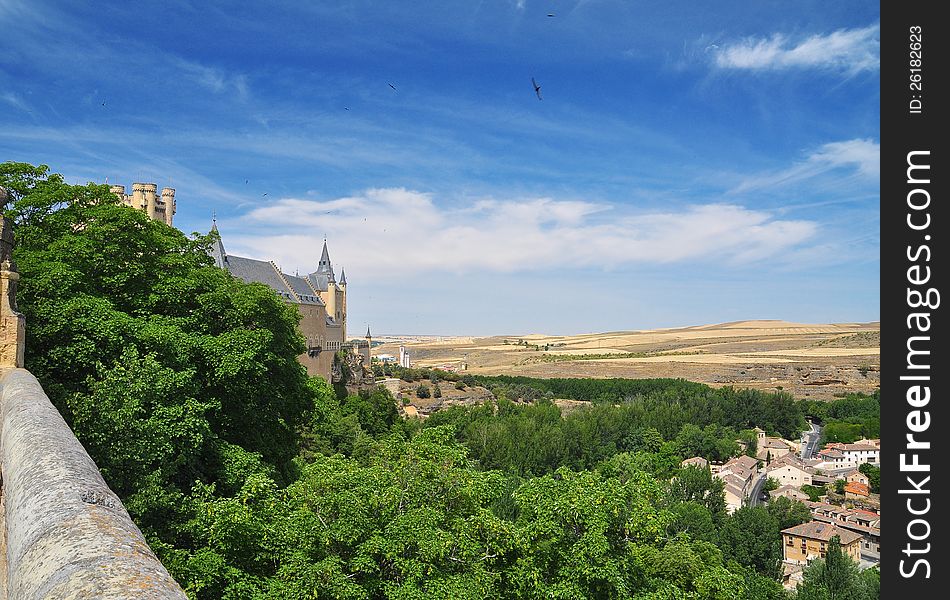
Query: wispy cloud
x: 401, y: 232
x: 849, y: 50
x: 860, y: 158
x: 216, y: 80
x: 15, y: 100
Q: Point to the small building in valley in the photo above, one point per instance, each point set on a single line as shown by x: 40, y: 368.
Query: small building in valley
x: 808, y: 541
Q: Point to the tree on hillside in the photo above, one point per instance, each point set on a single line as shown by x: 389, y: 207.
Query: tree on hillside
x: 835, y: 577
x: 788, y: 512
x: 168, y: 369
x: 751, y: 537
x: 874, y: 476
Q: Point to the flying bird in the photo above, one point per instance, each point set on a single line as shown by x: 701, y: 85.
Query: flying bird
x: 550, y: 14
x: 392, y: 86
x: 265, y: 193
x: 537, y: 88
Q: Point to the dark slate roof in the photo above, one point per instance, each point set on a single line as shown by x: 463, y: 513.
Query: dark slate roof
x: 320, y: 281
x: 367, y: 332
x: 303, y: 290
x: 259, y: 271
x: 343, y: 277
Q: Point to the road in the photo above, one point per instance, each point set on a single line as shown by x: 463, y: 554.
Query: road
x: 811, y: 441
x: 755, y: 498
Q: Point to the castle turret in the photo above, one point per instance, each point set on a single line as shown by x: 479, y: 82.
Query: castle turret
x: 343, y: 300
x: 119, y: 191
x: 168, y: 199
x: 369, y: 347
x: 151, y: 203
x: 331, y: 299
x: 138, y: 196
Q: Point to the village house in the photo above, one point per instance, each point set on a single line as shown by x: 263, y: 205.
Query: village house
x: 696, y: 461
x: 808, y: 541
x: 789, y: 491
x: 738, y: 476
x: 863, y: 522
x: 858, y: 454
x: 856, y: 491
x: 857, y: 476
x: 833, y: 460
x: 790, y: 470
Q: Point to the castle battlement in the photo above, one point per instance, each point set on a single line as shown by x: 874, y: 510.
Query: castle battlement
x: 145, y: 197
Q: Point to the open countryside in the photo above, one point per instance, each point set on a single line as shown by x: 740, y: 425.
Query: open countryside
x: 807, y: 360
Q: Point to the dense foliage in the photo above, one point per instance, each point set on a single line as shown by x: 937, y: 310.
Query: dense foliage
x: 251, y: 480
x: 848, y: 419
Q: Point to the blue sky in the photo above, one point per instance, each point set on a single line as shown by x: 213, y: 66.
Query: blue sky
x: 688, y: 163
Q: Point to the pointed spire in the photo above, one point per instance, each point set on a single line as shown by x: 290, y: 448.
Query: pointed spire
x: 368, y: 336
x: 217, y: 249
x: 324, y: 265
x: 342, y: 276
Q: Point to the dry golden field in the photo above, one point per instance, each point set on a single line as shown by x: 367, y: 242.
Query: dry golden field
x: 808, y: 360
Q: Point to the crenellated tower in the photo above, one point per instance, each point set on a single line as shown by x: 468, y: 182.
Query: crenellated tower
x: 145, y: 198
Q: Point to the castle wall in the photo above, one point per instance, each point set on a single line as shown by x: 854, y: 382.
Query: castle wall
x: 313, y: 327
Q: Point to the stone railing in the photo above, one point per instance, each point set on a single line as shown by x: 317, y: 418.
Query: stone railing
x: 67, y: 534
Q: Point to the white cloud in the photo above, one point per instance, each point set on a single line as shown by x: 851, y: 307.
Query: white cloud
x: 851, y: 50
x: 861, y: 156
x: 396, y: 232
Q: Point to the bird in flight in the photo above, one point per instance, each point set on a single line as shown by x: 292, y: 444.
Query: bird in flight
x: 537, y: 88
x: 550, y: 14
x: 392, y: 86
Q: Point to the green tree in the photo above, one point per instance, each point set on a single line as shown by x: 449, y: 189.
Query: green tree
x: 694, y: 484
x: 874, y: 476
x: 814, y: 492
x: 788, y: 512
x: 168, y: 369
x: 422, y: 391
x: 751, y: 537
x: 835, y: 577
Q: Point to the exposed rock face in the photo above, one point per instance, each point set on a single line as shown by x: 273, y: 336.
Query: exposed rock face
x: 350, y: 369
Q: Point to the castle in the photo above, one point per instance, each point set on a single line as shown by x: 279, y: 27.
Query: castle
x: 160, y: 208
x: 319, y: 297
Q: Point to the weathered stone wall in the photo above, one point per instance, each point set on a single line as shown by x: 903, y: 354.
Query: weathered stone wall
x: 67, y: 534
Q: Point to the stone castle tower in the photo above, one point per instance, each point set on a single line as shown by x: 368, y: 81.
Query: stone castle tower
x: 144, y: 197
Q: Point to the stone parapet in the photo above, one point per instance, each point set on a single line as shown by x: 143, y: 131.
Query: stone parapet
x: 67, y: 534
